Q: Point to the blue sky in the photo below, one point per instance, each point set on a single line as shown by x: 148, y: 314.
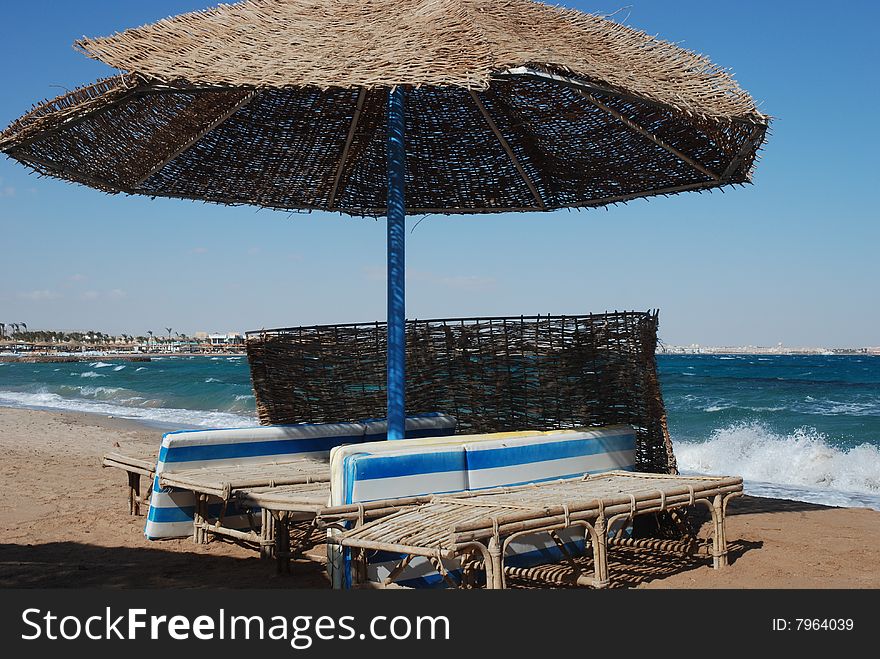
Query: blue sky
x: 792, y: 259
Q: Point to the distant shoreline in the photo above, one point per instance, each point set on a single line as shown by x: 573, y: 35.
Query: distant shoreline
x: 66, y: 359
x: 117, y: 357
x: 25, y: 358
x: 794, y: 352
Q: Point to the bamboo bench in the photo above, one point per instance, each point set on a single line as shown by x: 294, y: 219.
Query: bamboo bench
x: 477, y: 528
x: 285, y: 506
x: 281, y: 507
x: 225, y: 481
x: 135, y: 468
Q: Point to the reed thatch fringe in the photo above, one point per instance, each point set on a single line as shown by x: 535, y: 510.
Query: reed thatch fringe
x: 492, y: 374
x: 377, y: 43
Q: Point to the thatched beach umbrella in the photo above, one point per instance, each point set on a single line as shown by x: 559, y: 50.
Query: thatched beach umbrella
x: 382, y: 107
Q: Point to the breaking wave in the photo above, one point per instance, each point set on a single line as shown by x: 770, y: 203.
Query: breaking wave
x: 802, y: 465
x: 160, y: 416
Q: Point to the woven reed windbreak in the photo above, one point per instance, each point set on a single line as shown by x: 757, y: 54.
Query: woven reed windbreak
x: 492, y: 374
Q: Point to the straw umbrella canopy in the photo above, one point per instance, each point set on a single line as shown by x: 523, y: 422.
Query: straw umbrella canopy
x: 386, y: 107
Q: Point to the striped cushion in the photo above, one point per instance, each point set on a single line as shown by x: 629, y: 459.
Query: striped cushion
x: 549, y: 456
x: 171, y: 511
x: 418, y: 426
x: 345, y: 470
x: 369, y: 472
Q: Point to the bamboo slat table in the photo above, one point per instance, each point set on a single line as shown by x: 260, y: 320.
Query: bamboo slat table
x: 225, y: 481
x: 484, y: 523
x: 135, y: 468
x: 285, y: 506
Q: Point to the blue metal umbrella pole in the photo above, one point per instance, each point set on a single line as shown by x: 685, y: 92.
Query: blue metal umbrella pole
x: 396, y: 382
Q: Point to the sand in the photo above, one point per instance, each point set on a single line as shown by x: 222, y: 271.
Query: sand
x: 65, y: 524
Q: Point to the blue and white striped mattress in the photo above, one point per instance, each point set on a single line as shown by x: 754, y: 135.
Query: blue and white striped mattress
x: 384, y: 470
x: 171, y: 511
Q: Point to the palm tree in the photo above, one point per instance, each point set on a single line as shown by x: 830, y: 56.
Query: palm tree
x: 14, y: 327
x: 25, y: 326
x: 2, y: 330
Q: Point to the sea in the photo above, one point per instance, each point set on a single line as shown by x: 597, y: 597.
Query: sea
x: 796, y: 427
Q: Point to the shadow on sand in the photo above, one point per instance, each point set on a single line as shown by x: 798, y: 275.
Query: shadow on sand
x: 77, y: 565
x: 758, y: 505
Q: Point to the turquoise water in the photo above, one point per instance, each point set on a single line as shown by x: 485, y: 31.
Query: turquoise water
x: 168, y: 392
x: 800, y: 427
x: 797, y: 427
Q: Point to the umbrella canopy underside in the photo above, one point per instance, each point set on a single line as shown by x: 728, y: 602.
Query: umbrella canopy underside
x: 511, y: 106
x: 523, y: 144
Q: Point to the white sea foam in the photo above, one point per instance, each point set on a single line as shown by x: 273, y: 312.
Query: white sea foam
x: 247, y: 397
x: 142, y: 368
x: 120, y: 367
x: 99, y: 391
x: 802, y: 465
x: 854, y: 408
x: 92, y: 374
x: 165, y: 417
x: 214, y: 380
x: 100, y: 365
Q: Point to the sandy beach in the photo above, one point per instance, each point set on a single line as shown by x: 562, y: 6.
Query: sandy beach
x: 65, y: 523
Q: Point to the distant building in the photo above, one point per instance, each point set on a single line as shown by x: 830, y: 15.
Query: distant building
x: 226, y: 340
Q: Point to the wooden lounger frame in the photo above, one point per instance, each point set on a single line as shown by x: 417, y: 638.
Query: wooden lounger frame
x: 225, y: 481
x: 479, y: 526
x: 135, y: 468
x: 284, y: 507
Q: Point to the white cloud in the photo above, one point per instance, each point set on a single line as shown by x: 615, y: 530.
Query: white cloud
x: 77, y: 278
x: 468, y: 282
x: 457, y: 282
x: 39, y: 296
x: 115, y: 294
x: 373, y: 273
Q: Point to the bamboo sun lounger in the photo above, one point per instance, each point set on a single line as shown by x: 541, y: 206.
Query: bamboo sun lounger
x: 225, y: 481
x: 135, y: 468
x: 306, y: 504
x: 478, y: 527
